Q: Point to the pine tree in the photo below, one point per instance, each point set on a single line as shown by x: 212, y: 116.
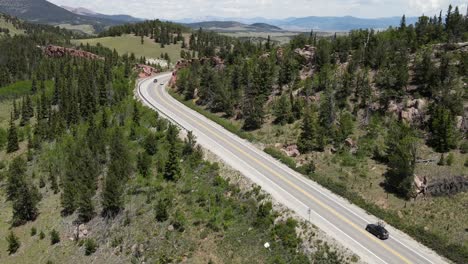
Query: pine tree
x: 283, y: 111
x: 327, y: 110
x: 144, y: 164
x: 85, y: 205
x: 172, y: 167
x: 54, y: 237
x: 402, y: 153
x: 16, y: 173
x: 345, y: 128
x: 136, y: 114
x: 118, y: 173
x: 23, y: 195
x: 25, y: 204
x: 34, y: 85
x: 310, y: 138
x: 13, y: 243
x: 444, y: 136
x: 12, y: 145
x: 16, y: 112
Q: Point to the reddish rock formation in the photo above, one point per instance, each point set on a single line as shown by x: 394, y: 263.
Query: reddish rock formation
x: 145, y: 70
x: 57, y: 52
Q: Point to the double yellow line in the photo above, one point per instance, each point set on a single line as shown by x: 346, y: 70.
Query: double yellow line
x: 320, y: 203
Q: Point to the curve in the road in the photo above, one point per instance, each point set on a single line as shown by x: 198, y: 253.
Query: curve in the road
x: 290, y: 183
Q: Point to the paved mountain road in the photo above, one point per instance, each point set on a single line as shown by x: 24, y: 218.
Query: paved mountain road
x: 334, y: 215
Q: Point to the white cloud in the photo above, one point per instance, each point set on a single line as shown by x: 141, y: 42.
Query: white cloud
x: 178, y: 9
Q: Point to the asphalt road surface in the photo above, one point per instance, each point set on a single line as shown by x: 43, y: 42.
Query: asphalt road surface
x: 334, y: 215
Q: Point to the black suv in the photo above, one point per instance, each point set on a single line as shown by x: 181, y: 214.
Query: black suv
x: 377, y: 230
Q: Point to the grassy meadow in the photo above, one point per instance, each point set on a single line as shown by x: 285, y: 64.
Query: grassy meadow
x: 130, y: 43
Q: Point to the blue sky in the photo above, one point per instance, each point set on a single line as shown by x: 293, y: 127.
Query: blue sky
x: 179, y: 9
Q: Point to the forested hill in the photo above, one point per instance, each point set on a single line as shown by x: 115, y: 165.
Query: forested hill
x: 89, y: 174
x: 386, y: 98
x: 162, y: 32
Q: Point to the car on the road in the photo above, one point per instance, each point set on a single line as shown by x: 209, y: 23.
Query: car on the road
x: 377, y: 230
x: 155, y: 81
x: 162, y: 84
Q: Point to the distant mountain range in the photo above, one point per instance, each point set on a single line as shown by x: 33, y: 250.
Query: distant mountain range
x: 86, y: 12
x: 345, y: 23
x: 233, y: 26
x: 42, y: 11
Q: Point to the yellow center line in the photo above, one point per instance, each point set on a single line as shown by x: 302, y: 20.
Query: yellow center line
x: 328, y: 208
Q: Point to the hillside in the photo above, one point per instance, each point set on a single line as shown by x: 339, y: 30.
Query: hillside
x: 7, y: 26
x: 89, y: 175
x: 233, y: 26
x: 342, y: 23
x: 378, y: 117
x: 305, y: 24
x: 86, y: 12
x: 127, y: 44
x: 42, y: 11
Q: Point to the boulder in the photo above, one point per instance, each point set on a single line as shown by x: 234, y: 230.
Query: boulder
x: 350, y: 143
x: 280, y: 54
x: 292, y: 151
x: 410, y: 115
x: 145, y: 70
x: 459, y: 122
x: 393, y: 107
x: 308, y: 53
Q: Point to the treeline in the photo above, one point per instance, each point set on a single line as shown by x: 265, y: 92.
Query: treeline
x: 87, y: 138
x: 358, y: 75
x: 165, y: 33
x: 21, y: 54
x: 345, y: 83
x: 81, y: 90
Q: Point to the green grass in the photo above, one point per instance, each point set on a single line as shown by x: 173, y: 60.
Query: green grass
x: 434, y: 222
x: 88, y: 29
x: 11, y: 27
x: 21, y: 88
x: 130, y: 43
x: 233, y: 127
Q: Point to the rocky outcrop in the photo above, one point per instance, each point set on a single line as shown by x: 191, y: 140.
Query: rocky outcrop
x: 308, y: 53
x: 145, y: 70
x: 411, y: 111
x: 440, y: 187
x: 58, y: 52
x: 291, y: 151
x: 80, y: 232
x: 280, y: 54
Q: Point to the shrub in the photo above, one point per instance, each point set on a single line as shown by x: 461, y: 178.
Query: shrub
x: 54, y: 237
x: 90, y: 246
x: 278, y: 154
x: 178, y: 221
x: 308, y: 168
x: 286, y: 232
x: 13, y: 243
x: 33, y: 231
x: 161, y: 210
x: 264, y: 218
x: 450, y: 159
x: 464, y: 147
